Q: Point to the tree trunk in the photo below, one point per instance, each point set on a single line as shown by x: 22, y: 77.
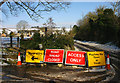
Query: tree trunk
x: 45, y: 31
x: 10, y: 41
x: 17, y: 41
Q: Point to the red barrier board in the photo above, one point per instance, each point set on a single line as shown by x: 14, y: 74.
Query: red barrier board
x: 75, y: 58
x: 54, y: 55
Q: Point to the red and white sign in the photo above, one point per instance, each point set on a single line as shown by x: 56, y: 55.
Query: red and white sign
x: 75, y: 58
x: 54, y: 55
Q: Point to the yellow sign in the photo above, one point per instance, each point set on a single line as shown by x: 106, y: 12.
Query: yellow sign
x: 34, y: 56
x: 96, y: 58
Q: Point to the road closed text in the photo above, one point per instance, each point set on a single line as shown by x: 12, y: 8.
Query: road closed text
x: 54, y: 55
x: 96, y: 58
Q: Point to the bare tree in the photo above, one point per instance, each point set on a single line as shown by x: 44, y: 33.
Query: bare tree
x: 50, y: 23
x: 116, y: 7
x: 33, y: 9
x: 22, y: 25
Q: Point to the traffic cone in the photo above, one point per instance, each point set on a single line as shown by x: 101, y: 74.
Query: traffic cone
x: 19, y: 60
x: 108, y: 62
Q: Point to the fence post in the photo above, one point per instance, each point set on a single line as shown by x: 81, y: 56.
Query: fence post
x: 10, y: 41
x: 18, y: 41
x: 45, y: 31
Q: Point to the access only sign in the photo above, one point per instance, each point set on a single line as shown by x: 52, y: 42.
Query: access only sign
x: 54, y: 55
x: 75, y: 58
x: 96, y: 58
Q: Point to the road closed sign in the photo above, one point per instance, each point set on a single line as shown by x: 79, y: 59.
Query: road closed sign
x: 96, y: 58
x: 34, y: 56
x: 75, y: 58
x: 54, y: 55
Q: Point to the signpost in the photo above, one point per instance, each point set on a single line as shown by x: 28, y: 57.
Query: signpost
x: 96, y: 58
x: 75, y: 58
x: 34, y: 56
x: 54, y: 55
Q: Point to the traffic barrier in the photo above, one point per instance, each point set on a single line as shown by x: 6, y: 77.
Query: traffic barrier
x: 108, y: 62
x: 19, y: 60
x: 77, y: 58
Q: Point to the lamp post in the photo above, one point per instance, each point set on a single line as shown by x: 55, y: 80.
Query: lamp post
x: 18, y: 42
x: 11, y: 36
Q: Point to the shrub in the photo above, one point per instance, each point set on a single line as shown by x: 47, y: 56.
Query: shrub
x: 52, y: 41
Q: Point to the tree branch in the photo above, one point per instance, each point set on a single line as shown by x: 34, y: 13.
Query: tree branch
x: 33, y: 9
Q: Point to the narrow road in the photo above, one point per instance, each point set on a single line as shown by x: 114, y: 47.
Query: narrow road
x: 114, y: 59
x: 53, y: 73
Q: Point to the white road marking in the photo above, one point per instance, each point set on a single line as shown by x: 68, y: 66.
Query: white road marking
x: 115, y: 67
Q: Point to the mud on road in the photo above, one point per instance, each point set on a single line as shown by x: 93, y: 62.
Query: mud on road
x: 51, y: 73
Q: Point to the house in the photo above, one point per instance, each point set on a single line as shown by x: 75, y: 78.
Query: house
x: 29, y: 32
x: 3, y: 35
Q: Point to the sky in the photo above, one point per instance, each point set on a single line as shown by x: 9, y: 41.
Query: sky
x: 63, y: 18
